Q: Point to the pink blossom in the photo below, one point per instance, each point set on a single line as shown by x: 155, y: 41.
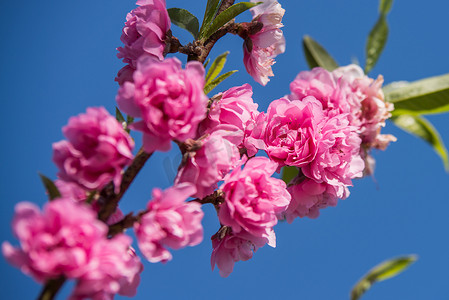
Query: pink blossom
x: 252, y: 198
x: 169, y: 100
x: 308, y: 197
x: 54, y: 242
x: 374, y: 110
x: 96, y: 151
x: 114, y: 268
x: 292, y: 133
x: 337, y: 160
x: 229, y: 248
x: 206, y: 166
x: 236, y: 109
x: 260, y: 49
x: 169, y: 222
x: 348, y: 90
x: 144, y: 34
x: 335, y: 95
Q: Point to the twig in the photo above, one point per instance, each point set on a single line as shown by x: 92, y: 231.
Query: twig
x: 51, y: 288
x: 107, y: 195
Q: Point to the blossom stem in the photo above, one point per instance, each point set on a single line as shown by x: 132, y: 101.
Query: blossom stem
x: 127, y: 222
x: 216, y: 198
x: 108, y: 196
x: 51, y: 288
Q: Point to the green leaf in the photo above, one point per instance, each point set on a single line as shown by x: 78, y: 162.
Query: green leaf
x: 184, y: 19
x: 226, y: 16
x: 316, y: 55
x: 121, y: 119
x: 119, y: 116
x: 209, y: 87
x: 288, y: 173
x: 211, y: 10
x: 385, y: 6
x: 216, y: 67
x: 50, y: 187
x: 375, y: 44
x: 426, y: 96
x: 206, y: 63
x: 394, y: 85
x: 129, y: 120
x: 420, y: 127
x: 382, y: 271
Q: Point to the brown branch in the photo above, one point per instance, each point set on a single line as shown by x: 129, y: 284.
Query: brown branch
x: 216, y: 198
x: 225, y: 4
x: 51, y: 288
x: 108, y: 199
x: 172, y: 44
x: 125, y: 223
x: 201, y: 49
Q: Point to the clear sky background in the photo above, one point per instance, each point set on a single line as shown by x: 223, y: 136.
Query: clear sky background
x: 58, y: 57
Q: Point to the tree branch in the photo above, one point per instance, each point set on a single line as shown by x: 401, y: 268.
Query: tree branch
x: 225, y: 4
x: 108, y: 199
x: 51, y: 288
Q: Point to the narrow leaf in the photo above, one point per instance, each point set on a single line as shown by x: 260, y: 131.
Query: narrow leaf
x: 383, y: 271
x: 288, y: 173
x: 375, y: 44
x: 118, y: 116
x: 420, y: 127
x: 129, y: 120
x: 209, y: 14
x: 394, y: 85
x: 121, y: 119
x: 50, y: 187
x: 226, y: 16
x: 206, y: 63
x: 426, y: 96
x: 216, y: 67
x: 385, y: 6
x: 316, y: 55
x: 184, y: 19
x: 213, y: 84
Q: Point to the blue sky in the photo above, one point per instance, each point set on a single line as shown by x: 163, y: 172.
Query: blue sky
x: 59, y: 58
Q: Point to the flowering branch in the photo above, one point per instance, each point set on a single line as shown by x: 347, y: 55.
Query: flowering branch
x: 324, y: 130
